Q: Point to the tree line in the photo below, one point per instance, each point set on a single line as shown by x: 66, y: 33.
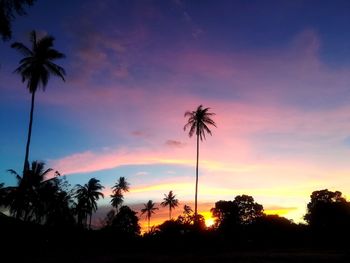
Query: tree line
x: 50, y: 201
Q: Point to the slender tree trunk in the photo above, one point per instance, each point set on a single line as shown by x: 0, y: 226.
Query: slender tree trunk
x: 169, y: 212
x: 149, y: 221
x: 26, y: 158
x: 90, y: 221
x: 196, y: 193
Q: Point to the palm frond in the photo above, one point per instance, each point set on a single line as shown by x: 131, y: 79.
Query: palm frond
x: 25, y: 51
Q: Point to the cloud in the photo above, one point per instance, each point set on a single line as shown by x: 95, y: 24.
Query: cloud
x: 142, y: 173
x: 174, y: 143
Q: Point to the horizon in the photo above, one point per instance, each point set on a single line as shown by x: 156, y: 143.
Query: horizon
x: 275, y: 73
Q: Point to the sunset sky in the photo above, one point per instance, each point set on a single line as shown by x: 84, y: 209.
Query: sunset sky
x: 276, y: 73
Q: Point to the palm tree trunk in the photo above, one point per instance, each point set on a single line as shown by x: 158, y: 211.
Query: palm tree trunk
x: 26, y: 158
x: 196, y: 194
x: 90, y: 221
x: 169, y: 212
x: 149, y: 221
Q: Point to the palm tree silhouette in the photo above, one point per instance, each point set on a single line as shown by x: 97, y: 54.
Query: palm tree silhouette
x: 149, y: 209
x: 171, y: 201
x: 121, y: 184
x: 36, y: 68
x: 117, y: 199
x: 198, y: 122
x: 87, y: 195
x: 117, y: 195
x: 24, y: 199
x: 187, y: 210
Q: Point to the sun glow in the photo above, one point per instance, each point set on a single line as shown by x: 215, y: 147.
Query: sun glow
x: 209, y: 220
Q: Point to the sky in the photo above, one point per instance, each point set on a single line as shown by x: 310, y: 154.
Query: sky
x: 276, y: 73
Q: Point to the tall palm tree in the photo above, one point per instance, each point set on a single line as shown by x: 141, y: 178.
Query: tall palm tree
x: 171, y: 201
x: 117, y: 194
x: 149, y: 209
x: 35, y: 68
x: 198, y: 122
x: 87, y: 196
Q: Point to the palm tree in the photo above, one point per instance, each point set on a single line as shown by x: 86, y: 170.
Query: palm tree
x: 24, y: 200
x: 198, y: 122
x: 171, y: 201
x: 122, y: 185
x: 117, y: 199
x: 186, y: 217
x: 117, y: 195
x: 149, y: 209
x: 87, y: 195
x: 187, y: 210
x: 36, y: 68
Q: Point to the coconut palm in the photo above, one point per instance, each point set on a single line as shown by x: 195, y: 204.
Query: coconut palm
x: 198, y: 122
x: 24, y: 200
x: 122, y: 185
x: 149, y: 209
x: 87, y: 196
x: 117, y: 192
x: 117, y: 199
x: 187, y: 210
x: 35, y: 68
x: 171, y: 201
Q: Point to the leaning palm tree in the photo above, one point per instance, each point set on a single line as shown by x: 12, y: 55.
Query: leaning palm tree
x: 117, y: 192
x: 149, y: 209
x: 35, y: 68
x: 171, y: 201
x: 87, y: 196
x: 198, y: 122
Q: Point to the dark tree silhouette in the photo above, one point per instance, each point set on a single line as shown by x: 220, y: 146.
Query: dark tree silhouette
x: 198, y: 122
x: 328, y: 210
x: 126, y: 222
x: 36, y: 68
x: 8, y: 11
x: 23, y: 198
x: 2, y: 195
x: 226, y: 214
x: 57, y: 210
x: 171, y: 201
x: 38, y: 198
x: 109, y: 218
x: 241, y: 211
x: 149, y: 209
x: 122, y: 185
x: 187, y: 216
x: 117, y: 199
x: 248, y: 210
x: 87, y: 196
x: 117, y: 192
